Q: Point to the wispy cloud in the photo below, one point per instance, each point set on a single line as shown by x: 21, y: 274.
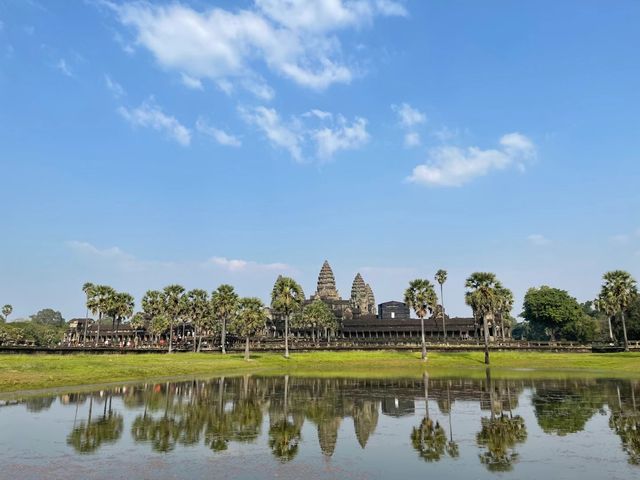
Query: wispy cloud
x: 150, y: 115
x: 62, y: 66
x: 235, y: 265
x: 220, y: 136
x: 538, y: 240
x: 190, y: 82
x: 297, y: 40
x: 409, y: 118
x: 452, y: 166
x: 317, y: 130
x: 114, y: 87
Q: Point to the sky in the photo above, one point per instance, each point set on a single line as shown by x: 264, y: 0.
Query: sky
x: 209, y: 142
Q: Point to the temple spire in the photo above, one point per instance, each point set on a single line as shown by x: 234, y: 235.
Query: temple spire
x: 326, y: 284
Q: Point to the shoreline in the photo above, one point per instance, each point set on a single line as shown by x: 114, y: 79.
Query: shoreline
x: 35, y: 374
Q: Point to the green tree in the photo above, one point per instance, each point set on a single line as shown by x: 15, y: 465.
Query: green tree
x: 198, y: 311
x: 6, y: 311
x: 250, y: 320
x: 505, y: 304
x: 153, y: 308
x: 483, y: 297
x: 88, y: 289
x: 224, y: 305
x: 558, y: 313
x: 421, y: 296
x: 441, y: 277
x: 287, y: 298
x: 119, y: 307
x: 99, y: 298
x: 621, y: 289
x: 173, y: 307
x: 317, y: 315
x: 48, y: 316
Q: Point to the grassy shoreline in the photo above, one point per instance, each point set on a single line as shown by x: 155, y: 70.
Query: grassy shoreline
x: 36, y: 372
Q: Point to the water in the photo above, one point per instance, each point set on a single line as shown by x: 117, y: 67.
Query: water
x: 292, y: 428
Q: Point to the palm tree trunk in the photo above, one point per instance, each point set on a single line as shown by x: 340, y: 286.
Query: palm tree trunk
x: 502, y: 326
x: 624, y: 331
x: 171, y: 336
x: 224, y: 335
x: 84, y: 337
x: 424, y: 343
x: 195, y: 338
x: 286, y: 336
x: 200, y: 342
x: 246, y: 349
x: 610, y: 329
x: 486, y: 339
x: 444, y: 326
x: 98, y: 331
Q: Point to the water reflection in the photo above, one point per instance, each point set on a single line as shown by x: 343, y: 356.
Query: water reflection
x: 280, y: 416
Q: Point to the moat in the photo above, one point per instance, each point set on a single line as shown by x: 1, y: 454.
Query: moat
x: 292, y: 427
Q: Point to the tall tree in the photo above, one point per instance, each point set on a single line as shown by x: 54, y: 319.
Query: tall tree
x: 119, y: 307
x: 622, y: 289
x: 604, y: 304
x: 198, y: 311
x: 505, y: 305
x: 249, y: 321
x: 88, y: 289
x: 421, y: 296
x: 6, y: 311
x: 173, y: 307
x: 224, y: 304
x: 441, y: 277
x: 153, y: 308
x: 48, y: 316
x: 98, y: 303
x: 482, y: 297
x: 287, y: 298
x: 317, y: 315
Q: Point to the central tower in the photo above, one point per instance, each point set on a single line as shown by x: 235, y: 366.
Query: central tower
x: 326, y: 289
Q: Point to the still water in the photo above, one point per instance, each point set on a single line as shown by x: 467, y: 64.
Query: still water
x: 289, y: 427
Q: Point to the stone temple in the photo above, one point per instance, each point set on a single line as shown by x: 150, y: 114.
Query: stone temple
x: 361, y: 303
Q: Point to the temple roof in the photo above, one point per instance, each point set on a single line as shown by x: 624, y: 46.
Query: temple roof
x: 327, y: 284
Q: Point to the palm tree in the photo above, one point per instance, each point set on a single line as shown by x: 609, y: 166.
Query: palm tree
x: 199, y: 312
x: 173, y: 307
x: 119, y: 307
x: 421, y: 296
x: 505, y: 304
x: 604, y: 303
x: 6, y: 311
x: 88, y: 289
x: 317, y: 315
x: 483, y: 297
x: 441, y: 277
x: 287, y: 297
x: 224, y: 304
x: 622, y: 288
x: 250, y: 320
x: 98, y: 303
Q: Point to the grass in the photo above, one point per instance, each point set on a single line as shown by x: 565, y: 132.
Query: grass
x: 34, y: 372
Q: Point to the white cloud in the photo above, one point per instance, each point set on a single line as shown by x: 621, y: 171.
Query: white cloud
x: 278, y: 132
x: 621, y: 239
x: 411, y: 139
x: 64, y: 68
x: 246, y: 265
x: 114, y: 87
x: 334, y: 133
x: 408, y: 116
x: 150, y: 115
x: 452, y: 166
x: 220, y: 136
x: 190, y: 82
x: 114, y: 256
x: 294, y: 38
x: 538, y: 240
x: 444, y: 133
x: 343, y: 136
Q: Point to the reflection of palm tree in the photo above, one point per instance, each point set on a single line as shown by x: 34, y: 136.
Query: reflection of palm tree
x: 499, y: 436
x: 428, y: 439
x: 284, y: 435
x: 452, y: 447
x: 90, y: 435
x: 626, y: 424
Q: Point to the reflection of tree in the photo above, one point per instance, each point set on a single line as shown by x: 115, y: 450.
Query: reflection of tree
x: 625, y: 421
x: 39, y: 403
x: 500, y: 434
x: 284, y: 434
x: 565, y: 408
x: 90, y: 435
x: 428, y: 439
x: 452, y: 447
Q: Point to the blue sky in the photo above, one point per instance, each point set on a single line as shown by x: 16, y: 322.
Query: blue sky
x: 199, y: 142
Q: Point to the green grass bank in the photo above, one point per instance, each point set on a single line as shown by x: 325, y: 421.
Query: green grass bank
x: 34, y: 372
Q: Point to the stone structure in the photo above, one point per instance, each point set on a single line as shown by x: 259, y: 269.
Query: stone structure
x: 394, y: 310
x: 362, y: 299
x: 326, y: 289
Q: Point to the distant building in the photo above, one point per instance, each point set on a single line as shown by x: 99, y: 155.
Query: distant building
x: 393, y: 309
